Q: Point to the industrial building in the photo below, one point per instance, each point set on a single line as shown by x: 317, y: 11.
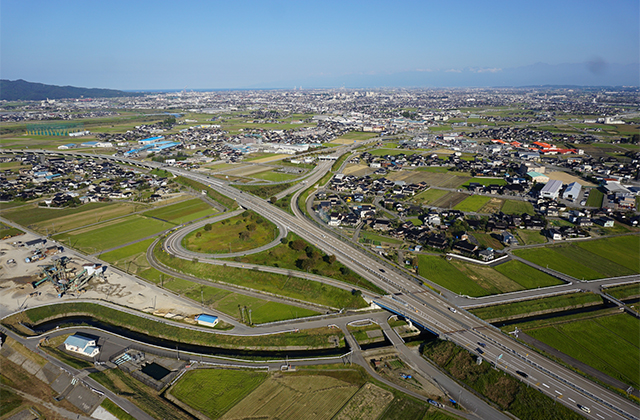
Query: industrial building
x: 551, y: 189
x: 538, y: 177
x: 150, y: 140
x: 572, y: 192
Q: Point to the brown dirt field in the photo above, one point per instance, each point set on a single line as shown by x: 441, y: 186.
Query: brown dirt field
x: 450, y: 200
x: 445, y: 180
x: 568, y: 178
x: 357, y: 170
x: 248, y: 170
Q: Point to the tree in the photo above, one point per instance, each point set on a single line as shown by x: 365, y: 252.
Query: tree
x: 273, y: 199
x: 284, y: 241
x: 208, y: 227
x: 298, y: 245
x: 251, y: 227
x: 245, y: 235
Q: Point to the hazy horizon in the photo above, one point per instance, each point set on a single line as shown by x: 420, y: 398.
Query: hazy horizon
x: 164, y: 45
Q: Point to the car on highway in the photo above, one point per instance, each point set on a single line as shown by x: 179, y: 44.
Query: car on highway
x: 479, y: 350
x: 482, y: 344
x: 583, y: 408
x: 521, y: 373
x: 381, y: 270
x: 453, y: 310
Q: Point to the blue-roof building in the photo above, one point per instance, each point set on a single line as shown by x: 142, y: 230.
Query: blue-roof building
x: 83, y: 345
x: 207, y: 320
x: 150, y: 140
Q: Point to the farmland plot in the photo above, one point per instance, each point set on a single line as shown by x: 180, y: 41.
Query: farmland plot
x: 368, y: 403
x: 294, y: 397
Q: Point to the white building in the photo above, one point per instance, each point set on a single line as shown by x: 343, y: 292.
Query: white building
x: 83, y: 345
x: 572, y: 192
x: 551, y: 189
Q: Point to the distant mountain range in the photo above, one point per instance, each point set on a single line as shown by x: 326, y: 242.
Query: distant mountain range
x: 16, y: 90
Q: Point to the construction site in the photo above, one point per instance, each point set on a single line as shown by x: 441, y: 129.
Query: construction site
x: 67, y: 279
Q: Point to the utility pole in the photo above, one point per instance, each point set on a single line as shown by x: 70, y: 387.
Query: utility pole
x: 250, y: 322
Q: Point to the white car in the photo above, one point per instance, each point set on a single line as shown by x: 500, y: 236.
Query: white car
x: 583, y: 408
x: 453, y: 310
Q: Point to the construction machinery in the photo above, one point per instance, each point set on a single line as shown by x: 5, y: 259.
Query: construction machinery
x: 63, y: 279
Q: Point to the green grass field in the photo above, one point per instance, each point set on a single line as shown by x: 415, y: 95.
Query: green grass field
x: 442, y: 272
x: 182, y: 212
x: 595, y: 198
x: 229, y: 302
x: 577, y: 261
x: 246, y: 231
x: 517, y: 207
x: 608, y: 343
x: 111, y: 234
x: 526, y: 276
x: 484, y: 181
x: 530, y: 237
x: 374, y: 237
x: 525, y: 307
x: 429, y: 196
x: 214, y: 391
x: 472, y: 203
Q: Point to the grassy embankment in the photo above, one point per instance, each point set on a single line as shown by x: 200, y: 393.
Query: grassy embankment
x: 536, y: 306
x: 282, y: 285
x: 317, y: 338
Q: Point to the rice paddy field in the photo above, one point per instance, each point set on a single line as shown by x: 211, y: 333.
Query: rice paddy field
x: 113, y: 233
x: 472, y: 203
x: 602, y: 258
x: 609, y: 343
x: 517, y: 207
x: 182, y: 212
x: 340, y: 394
x: 477, y: 280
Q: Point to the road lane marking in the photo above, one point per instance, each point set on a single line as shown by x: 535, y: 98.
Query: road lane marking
x: 572, y: 400
x: 545, y: 385
x: 558, y: 392
x: 599, y: 415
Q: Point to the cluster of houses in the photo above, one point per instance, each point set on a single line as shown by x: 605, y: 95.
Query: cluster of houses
x: 69, y: 181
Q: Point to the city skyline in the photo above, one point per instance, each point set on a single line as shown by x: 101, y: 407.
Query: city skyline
x: 203, y: 45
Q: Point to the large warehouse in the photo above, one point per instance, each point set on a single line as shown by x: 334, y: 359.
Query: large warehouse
x: 551, y: 189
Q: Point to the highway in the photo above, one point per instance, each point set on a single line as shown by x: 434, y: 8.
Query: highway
x: 433, y: 313
x: 407, y: 297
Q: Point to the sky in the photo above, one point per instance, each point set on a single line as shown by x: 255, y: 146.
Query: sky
x: 139, y: 44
